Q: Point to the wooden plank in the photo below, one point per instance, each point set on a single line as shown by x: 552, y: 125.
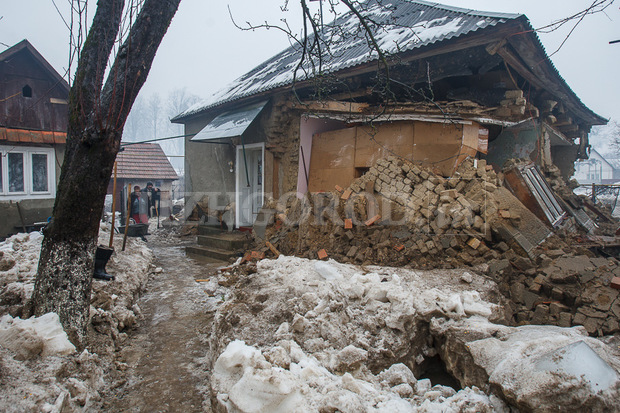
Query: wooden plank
x: 335, y: 106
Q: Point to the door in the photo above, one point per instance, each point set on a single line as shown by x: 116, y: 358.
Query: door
x: 250, y: 193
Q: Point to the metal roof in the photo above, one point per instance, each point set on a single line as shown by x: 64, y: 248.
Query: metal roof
x: 230, y: 124
x: 398, y: 26
x: 144, y: 161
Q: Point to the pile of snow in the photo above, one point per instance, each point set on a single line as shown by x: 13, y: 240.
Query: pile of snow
x: 54, y: 377
x: 35, y: 336
x: 286, y: 379
x: 307, y: 335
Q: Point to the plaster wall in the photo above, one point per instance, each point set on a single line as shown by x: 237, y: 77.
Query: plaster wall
x: 33, y: 210
x: 207, y: 170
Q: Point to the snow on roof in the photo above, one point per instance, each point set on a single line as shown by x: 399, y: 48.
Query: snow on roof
x: 398, y: 26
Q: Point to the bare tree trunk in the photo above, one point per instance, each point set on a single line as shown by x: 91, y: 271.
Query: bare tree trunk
x: 97, y: 114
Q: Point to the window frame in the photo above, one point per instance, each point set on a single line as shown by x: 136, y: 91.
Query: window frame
x: 29, y: 192
x: 24, y: 174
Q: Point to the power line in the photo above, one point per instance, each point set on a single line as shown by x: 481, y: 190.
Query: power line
x: 157, y: 139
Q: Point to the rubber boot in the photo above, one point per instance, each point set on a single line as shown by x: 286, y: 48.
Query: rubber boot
x: 102, y: 255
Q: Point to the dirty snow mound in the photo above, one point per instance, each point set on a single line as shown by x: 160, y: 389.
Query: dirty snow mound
x: 305, y: 335
x: 248, y: 380
x: 35, y: 336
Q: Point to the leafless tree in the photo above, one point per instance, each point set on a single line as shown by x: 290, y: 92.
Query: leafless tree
x: 122, y: 41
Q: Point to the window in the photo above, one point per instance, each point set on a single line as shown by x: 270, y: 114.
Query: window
x: 26, y: 172
x: 40, y: 182
x: 27, y: 91
x: 16, y: 172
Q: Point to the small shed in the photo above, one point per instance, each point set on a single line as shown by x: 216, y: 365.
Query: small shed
x: 139, y: 164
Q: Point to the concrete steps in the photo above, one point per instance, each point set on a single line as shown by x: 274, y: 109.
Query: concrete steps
x: 214, y: 243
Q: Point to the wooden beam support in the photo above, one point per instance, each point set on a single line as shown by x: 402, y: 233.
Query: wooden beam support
x: 334, y: 106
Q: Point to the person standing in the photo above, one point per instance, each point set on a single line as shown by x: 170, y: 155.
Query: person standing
x: 153, y: 195
x: 135, y: 204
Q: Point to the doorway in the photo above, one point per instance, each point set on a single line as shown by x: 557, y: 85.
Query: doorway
x: 250, y: 188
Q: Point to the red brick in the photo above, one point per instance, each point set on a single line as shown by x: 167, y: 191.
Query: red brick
x: 347, y: 194
x: 339, y: 188
x: 615, y: 283
x: 348, y: 224
x: 258, y: 255
x: 373, y: 220
x: 322, y: 254
x: 246, y: 257
x: 399, y: 247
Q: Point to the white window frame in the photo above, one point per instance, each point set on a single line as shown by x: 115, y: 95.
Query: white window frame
x: 28, y: 193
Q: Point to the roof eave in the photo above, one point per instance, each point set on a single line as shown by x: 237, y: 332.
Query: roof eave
x: 541, y: 66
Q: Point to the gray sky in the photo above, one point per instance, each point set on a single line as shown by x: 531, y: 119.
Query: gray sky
x: 203, y: 50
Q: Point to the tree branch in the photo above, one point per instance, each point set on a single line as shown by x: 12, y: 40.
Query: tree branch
x: 134, y: 59
x: 85, y: 92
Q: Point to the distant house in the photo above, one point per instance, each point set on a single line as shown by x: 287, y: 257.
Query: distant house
x: 33, y: 125
x: 139, y: 164
x: 464, y: 83
x: 596, y: 170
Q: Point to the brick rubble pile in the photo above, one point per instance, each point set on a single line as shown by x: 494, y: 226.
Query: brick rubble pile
x: 401, y: 214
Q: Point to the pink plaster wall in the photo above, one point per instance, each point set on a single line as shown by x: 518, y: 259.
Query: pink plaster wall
x: 308, y: 127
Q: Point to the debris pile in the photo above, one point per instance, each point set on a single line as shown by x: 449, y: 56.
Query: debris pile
x: 568, y: 286
x: 399, y: 213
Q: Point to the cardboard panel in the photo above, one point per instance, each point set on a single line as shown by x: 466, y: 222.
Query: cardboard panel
x: 384, y: 140
x: 439, y: 146
x: 332, y: 160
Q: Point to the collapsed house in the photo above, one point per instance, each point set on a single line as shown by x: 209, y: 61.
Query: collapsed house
x: 462, y: 83
x: 465, y: 163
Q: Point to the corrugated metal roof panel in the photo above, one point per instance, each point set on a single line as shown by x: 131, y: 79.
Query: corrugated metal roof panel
x: 398, y: 26
x: 230, y: 124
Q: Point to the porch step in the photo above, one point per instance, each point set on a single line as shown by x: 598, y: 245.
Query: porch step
x: 215, y: 253
x: 206, y: 229
x: 223, y: 241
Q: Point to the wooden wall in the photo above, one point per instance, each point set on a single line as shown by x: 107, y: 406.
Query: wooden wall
x: 45, y: 109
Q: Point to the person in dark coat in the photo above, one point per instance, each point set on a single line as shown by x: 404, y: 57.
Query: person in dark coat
x: 153, y: 198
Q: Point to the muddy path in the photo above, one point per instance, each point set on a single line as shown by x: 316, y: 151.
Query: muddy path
x: 163, y: 373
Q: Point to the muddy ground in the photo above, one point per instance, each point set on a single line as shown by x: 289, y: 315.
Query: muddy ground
x: 163, y: 371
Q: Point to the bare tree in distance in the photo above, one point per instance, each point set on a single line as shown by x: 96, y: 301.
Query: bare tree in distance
x: 122, y: 41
